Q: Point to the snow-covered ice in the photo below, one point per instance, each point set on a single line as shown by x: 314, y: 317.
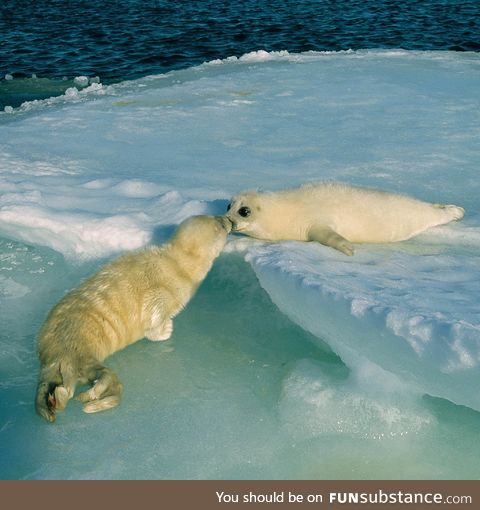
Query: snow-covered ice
x: 292, y: 360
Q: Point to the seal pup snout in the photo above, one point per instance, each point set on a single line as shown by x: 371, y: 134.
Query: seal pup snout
x: 226, y: 223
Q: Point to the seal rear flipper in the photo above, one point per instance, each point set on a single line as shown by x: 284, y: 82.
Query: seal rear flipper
x: 328, y: 237
x: 452, y: 212
x: 102, y: 404
x: 45, y: 401
x: 55, y: 388
x: 105, y: 392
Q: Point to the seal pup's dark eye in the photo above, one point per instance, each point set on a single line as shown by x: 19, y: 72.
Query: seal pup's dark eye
x: 229, y: 206
x: 244, y: 212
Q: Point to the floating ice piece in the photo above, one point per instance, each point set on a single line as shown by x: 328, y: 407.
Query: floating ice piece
x: 81, y: 81
x: 401, y: 121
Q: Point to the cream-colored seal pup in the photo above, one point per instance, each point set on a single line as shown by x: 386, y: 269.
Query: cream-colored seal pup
x: 335, y: 215
x: 135, y: 296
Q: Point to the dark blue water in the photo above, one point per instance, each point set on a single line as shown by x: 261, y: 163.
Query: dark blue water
x: 124, y: 39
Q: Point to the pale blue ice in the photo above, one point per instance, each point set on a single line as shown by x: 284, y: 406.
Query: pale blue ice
x: 292, y: 361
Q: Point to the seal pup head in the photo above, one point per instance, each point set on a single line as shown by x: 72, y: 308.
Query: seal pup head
x: 245, y: 213
x: 202, y: 236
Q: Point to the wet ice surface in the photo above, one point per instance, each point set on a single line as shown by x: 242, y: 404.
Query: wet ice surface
x: 297, y: 362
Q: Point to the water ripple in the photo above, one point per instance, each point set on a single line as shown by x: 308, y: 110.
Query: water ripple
x: 126, y: 39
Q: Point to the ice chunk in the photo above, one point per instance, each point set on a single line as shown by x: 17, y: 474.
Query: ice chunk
x: 262, y: 56
x: 111, y: 168
x: 71, y: 92
x: 414, y: 315
x: 94, y: 87
x: 81, y: 235
x: 81, y: 81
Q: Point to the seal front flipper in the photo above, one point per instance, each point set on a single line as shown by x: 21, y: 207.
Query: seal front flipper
x: 160, y: 332
x: 327, y: 236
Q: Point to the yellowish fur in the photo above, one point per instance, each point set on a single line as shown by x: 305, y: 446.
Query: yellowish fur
x: 336, y: 215
x: 135, y: 296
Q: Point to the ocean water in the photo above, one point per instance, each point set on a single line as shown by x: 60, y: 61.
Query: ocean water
x: 292, y: 361
x: 115, y: 40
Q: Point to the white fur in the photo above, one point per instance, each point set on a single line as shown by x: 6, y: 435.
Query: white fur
x: 134, y: 296
x: 336, y: 215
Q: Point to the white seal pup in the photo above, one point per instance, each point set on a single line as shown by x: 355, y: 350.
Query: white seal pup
x: 335, y: 215
x: 135, y: 296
